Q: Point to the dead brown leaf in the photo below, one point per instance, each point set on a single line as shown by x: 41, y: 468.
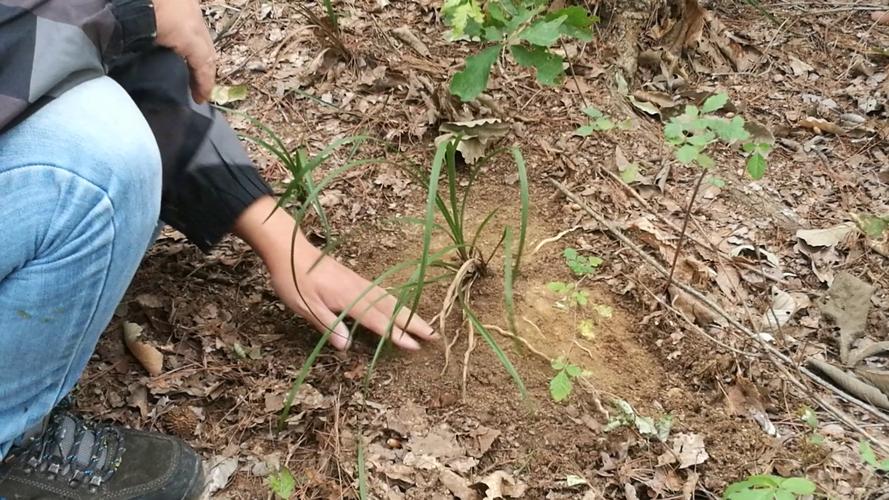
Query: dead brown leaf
x: 148, y: 356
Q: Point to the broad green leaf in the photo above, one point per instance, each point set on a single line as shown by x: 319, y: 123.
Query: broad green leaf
x: 629, y: 174
x: 752, y: 495
x: 585, y: 130
x: 558, y: 363
x: 756, y: 166
x: 705, y: 161
x: 716, y: 181
x: 798, y: 485
x: 224, y: 94
x: 783, y: 495
x: 686, y: 154
x: 581, y: 297
x: 748, y: 147
x: 570, y: 253
x: 674, y: 130
x: 587, y: 329
x: 282, y: 484
x: 560, y: 386
x: 573, y: 371
x: 577, y: 23
x: 473, y: 80
x: 458, y: 13
x: 542, y: 32
x: 692, y: 111
x: 548, y: 65
x: 595, y: 261
x: 714, y: 102
x: 702, y: 139
x: 558, y: 287
x: 593, y: 112
x: 764, y: 480
x: 867, y: 453
x: 732, y: 130
x: 604, y: 124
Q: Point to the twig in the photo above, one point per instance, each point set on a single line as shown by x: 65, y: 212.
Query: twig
x: 701, y: 243
x: 774, y: 354
x: 696, y: 328
x: 691, y: 204
x: 554, y: 239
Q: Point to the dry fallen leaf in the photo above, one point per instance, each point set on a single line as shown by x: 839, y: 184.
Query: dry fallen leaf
x: 219, y: 475
x: 827, y: 237
x: 744, y: 398
x: 690, y: 450
x: 501, y: 484
x: 458, y: 486
x: 780, y: 311
x: 848, y: 304
x: 148, y: 356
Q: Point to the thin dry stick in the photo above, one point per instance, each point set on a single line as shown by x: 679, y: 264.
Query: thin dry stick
x: 691, y: 204
x: 774, y: 354
x: 701, y: 243
x: 697, y: 329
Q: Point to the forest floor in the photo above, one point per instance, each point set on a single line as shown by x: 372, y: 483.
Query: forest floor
x: 811, y: 74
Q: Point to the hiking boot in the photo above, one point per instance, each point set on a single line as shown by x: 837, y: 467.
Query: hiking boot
x: 67, y: 458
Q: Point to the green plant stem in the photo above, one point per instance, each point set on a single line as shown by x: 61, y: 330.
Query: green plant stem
x: 694, y: 195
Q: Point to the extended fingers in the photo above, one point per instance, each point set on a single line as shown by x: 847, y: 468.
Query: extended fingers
x: 386, y: 304
x: 376, y: 321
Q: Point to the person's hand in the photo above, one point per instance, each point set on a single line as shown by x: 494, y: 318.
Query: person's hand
x: 181, y: 28
x: 323, y: 288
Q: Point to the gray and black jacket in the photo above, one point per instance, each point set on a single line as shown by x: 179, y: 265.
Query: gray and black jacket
x: 49, y: 46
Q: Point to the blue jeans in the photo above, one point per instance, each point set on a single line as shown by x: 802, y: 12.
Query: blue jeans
x: 80, y: 189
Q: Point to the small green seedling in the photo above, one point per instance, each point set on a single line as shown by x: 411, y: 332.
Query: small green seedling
x: 625, y: 416
x: 587, y: 327
x: 571, y: 296
x: 811, y: 420
x: 282, y: 484
x: 870, y: 458
x: 693, y: 132
x: 579, y: 264
x: 562, y: 383
x: 598, y: 122
x: 768, y: 487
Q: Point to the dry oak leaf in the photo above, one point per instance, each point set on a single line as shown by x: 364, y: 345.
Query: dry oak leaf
x: 501, y: 484
x: 148, y: 356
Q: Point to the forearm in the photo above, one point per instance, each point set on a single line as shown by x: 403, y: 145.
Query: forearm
x: 271, y: 232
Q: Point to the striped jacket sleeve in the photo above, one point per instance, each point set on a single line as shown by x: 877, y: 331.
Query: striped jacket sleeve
x: 48, y: 46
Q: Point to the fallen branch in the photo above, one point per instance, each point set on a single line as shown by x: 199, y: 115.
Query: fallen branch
x: 774, y: 354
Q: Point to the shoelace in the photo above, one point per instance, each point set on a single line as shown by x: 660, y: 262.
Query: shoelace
x: 70, y: 448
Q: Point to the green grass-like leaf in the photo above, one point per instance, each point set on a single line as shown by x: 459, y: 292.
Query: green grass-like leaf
x: 501, y: 356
